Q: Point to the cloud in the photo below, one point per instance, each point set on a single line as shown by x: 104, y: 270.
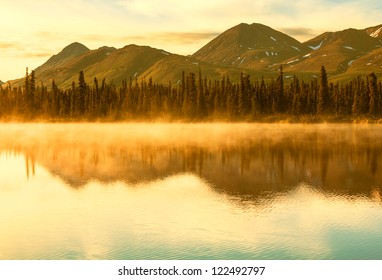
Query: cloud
x: 9, y: 45
x: 299, y: 31
x: 35, y: 54
x: 174, y: 37
x: 46, y: 35
x: 184, y: 37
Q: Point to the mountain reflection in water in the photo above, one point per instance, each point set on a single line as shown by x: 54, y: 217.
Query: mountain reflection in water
x: 255, y: 189
x: 250, y: 159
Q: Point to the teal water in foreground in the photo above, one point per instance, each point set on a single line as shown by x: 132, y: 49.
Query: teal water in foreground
x: 190, y: 191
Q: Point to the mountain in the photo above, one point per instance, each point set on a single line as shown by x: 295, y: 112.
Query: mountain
x: 335, y: 50
x: 61, y: 65
x: 110, y: 63
x: 171, y: 68
x: 1, y: 83
x: 118, y: 64
x: 64, y: 70
x: 129, y: 61
x: 254, y: 49
x: 371, y: 62
x: 71, y: 51
x: 254, y: 46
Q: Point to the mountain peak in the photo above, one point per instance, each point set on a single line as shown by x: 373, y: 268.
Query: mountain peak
x: 1, y: 83
x: 72, y: 50
x: 252, y: 46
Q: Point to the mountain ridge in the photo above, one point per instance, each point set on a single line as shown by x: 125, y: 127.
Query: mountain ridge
x: 254, y: 49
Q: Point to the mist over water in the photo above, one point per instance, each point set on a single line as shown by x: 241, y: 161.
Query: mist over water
x: 190, y: 191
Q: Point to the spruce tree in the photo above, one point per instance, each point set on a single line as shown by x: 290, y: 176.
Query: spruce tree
x: 81, y: 93
x: 279, y: 94
x: 373, y: 93
x: 323, y: 93
x: 356, y: 106
x: 201, y: 100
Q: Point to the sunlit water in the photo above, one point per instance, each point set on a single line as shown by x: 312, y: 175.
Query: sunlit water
x: 190, y: 191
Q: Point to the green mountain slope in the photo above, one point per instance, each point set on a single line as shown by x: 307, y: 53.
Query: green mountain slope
x: 334, y: 50
x: 254, y: 46
x: 255, y: 49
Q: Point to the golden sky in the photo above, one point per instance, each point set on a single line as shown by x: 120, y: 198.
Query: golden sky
x: 32, y: 31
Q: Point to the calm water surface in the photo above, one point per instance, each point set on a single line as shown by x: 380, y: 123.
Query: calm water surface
x: 190, y: 191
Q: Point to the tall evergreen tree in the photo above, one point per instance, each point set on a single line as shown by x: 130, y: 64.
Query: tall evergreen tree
x: 373, y: 93
x: 323, y: 93
x: 279, y: 94
x: 81, y: 93
x: 201, y: 100
x: 356, y: 107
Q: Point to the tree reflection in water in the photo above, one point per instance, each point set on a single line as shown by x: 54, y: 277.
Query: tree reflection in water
x: 344, y: 159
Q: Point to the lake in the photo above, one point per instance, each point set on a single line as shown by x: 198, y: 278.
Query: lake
x: 190, y: 191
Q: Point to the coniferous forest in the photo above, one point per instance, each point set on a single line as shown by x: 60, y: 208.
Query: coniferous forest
x: 195, y: 98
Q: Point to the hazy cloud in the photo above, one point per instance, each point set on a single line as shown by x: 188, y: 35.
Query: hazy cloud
x: 9, y: 45
x: 299, y: 31
x: 175, y: 37
x: 35, y: 54
x: 184, y: 37
x: 46, y: 35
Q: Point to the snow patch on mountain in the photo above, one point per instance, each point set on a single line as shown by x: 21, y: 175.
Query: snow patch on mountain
x: 349, y: 48
x: 292, y: 61
x: 316, y: 47
x: 376, y: 33
x: 273, y: 39
x: 296, y: 48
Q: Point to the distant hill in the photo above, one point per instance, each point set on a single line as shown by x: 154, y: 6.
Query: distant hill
x: 255, y: 49
x: 1, y: 83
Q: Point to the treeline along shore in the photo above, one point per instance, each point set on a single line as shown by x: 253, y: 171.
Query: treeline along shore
x: 196, y: 98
